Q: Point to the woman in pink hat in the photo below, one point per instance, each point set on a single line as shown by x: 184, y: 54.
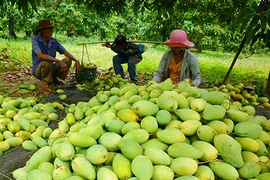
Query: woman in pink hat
x: 178, y: 63
x: 46, y: 67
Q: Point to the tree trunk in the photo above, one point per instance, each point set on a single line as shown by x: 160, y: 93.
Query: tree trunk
x: 267, y: 90
x: 11, y: 28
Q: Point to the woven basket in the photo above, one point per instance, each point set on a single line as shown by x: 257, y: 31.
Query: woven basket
x: 86, y: 74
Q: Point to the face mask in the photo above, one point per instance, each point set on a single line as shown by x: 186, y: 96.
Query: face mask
x: 178, y: 51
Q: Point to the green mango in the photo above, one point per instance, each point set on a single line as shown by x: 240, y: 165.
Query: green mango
x: 182, y: 149
x: 192, y: 91
x: 214, y: 97
x: 167, y: 103
x: 142, y: 167
x: 81, y: 140
x: 61, y: 172
x: 236, y: 115
x: 224, y: 170
x: 170, y: 135
x: 145, y: 108
x: 204, y: 173
x: 150, y: 124
x: 155, y: 143
x: 248, y: 129
x: 249, y: 170
x: 130, y: 148
x: 229, y: 123
x: 110, y: 141
x: 181, y: 101
x: 138, y: 135
x: 158, y: 156
x: 190, y: 127
x: 162, y: 172
x: 263, y: 176
x: 219, y: 126
x: 38, y: 174
x: 213, y: 112
x: 187, y: 114
x: 115, y: 126
x: 206, y: 133
x: 82, y: 167
x: 104, y: 173
x: 184, y: 166
x: 130, y: 126
x: 163, y: 117
x: 97, y: 154
x: 229, y: 149
x: 210, y: 153
x: 263, y: 151
x: 167, y: 85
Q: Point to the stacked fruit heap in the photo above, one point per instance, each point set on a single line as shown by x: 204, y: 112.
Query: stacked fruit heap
x: 153, y: 131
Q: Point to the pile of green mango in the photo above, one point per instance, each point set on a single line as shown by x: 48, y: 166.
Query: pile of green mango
x: 155, y: 131
x: 244, y: 95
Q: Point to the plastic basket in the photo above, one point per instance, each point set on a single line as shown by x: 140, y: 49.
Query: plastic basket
x: 86, y: 73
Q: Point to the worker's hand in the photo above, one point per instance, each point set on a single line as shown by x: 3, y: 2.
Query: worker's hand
x: 63, y: 66
x: 107, y: 44
x: 78, y: 66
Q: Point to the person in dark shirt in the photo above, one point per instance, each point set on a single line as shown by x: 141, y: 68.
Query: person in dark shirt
x: 127, y: 52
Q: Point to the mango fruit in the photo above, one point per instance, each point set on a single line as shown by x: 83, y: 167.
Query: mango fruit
x: 82, y: 167
x: 214, y: 97
x: 97, y: 154
x: 214, y: 112
x: 224, y: 170
x: 170, y: 135
x: 182, y: 149
x: 229, y: 150
x: 247, y: 129
x: 210, y: 153
x: 158, y: 156
x: 184, y: 166
x: 236, y: 115
x: 187, y: 114
x: 145, y: 108
x: 250, y: 169
x: 142, y: 167
x: 121, y: 166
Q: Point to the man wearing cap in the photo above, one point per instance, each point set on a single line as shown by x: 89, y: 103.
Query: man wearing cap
x: 178, y: 63
x: 127, y: 52
x: 46, y: 66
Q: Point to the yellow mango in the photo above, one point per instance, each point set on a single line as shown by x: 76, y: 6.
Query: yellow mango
x: 219, y: 126
x: 248, y: 144
x: 32, y: 115
x: 210, y: 153
x: 247, y: 155
x: 121, y: 166
x: 14, y: 141
x: 4, y: 146
x: 127, y: 115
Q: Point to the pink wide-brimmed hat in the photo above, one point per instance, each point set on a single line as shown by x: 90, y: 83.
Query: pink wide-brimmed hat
x: 178, y: 38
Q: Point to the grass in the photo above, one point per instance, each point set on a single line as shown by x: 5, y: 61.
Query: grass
x: 250, y: 71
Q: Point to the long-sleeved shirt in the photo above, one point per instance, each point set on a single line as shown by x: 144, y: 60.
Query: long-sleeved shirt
x: 130, y: 49
x: 190, y: 68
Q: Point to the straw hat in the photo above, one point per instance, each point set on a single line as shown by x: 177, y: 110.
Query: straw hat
x: 44, y: 23
x: 178, y: 38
